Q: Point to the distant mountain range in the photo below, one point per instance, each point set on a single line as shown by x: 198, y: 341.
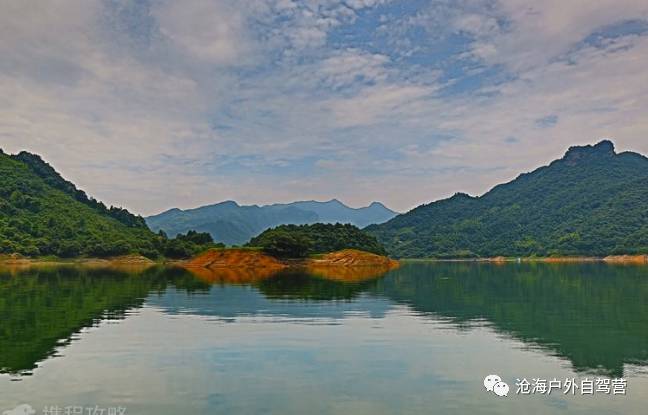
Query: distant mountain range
x: 592, y: 201
x: 233, y: 224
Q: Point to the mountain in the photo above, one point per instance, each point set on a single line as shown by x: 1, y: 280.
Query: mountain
x: 233, y: 224
x: 593, y: 201
x: 41, y: 214
x: 335, y: 211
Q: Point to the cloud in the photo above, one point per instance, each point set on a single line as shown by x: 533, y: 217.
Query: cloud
x: 546, y: 122
x: 536, y: 33
x: 207, y: 30
x: 378, y: 104
x: 152, y: 105
x: 351, y: 67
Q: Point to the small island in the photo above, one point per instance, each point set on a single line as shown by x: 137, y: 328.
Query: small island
x: 233, y: 258
x: 322, y: 249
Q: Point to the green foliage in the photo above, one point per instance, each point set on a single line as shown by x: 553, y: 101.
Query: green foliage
x: 591, y: 202
x: 185, y: 246
x: 286, y: 245
x: 197, y: 238
x: 298, y: 241
x: 43, y: 214
x: 54, y: 179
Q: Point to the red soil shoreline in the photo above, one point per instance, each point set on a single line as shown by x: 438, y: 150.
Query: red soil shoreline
x: 245, y: 258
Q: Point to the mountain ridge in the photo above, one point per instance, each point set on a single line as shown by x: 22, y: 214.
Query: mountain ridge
x: 235, y: 224
x: 592, y: 201
x: 43, y: 214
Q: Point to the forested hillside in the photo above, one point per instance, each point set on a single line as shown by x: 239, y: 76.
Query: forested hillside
x: 593, y: 201
x: 43, y: 214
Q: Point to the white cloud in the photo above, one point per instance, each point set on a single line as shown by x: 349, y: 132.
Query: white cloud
x: 379, y: 104
x: 538, y: 32
x: 351, y: 66
x: 213, y: 31
x: 213, y: 100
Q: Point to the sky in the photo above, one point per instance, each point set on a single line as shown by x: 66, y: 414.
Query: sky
x: 151, y: 105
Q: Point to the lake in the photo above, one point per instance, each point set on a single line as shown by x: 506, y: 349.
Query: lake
x: 417, y: 340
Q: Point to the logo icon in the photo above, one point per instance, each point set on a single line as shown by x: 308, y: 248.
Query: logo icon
x: 23, y: 409
x: 493, y: 383
x: 490, y: 381
x: 501, y: 389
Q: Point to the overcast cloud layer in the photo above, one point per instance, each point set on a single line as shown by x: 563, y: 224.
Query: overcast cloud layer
x: 159, y: 104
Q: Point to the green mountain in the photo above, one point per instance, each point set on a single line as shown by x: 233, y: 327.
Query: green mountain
x: 41, y: 213
x: 233, y: 224
x: 593, y: 201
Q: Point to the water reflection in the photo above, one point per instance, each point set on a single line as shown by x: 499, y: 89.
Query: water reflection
x: 594, y: 315
x: 43, y: 307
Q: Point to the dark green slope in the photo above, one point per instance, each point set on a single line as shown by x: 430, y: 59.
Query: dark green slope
x: 593, y: 201
x: 53, y: 179
x: 41, y: 214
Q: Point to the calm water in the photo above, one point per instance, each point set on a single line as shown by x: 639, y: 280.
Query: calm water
x: 418, y: 340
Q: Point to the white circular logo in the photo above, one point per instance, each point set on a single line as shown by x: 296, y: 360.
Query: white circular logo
x: 490, y: 381
x: 501, y: 389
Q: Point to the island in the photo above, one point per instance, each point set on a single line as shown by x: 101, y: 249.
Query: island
x: 339, y: 251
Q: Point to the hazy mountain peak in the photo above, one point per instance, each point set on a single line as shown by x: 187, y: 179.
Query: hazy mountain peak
x: 232, y: 223
x: 335, y: 202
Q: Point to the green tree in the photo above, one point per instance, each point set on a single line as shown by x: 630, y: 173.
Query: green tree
x: 301, y: 240
x: 285, y: 245
x: 43, y: 214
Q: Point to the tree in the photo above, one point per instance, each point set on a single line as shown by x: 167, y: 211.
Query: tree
x: 293, y: 240
x: 285, y: 245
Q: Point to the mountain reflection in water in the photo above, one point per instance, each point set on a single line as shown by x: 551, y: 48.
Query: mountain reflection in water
x: 594, y: 315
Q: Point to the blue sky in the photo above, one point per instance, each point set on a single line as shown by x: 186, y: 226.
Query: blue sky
x: 158, y: 104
